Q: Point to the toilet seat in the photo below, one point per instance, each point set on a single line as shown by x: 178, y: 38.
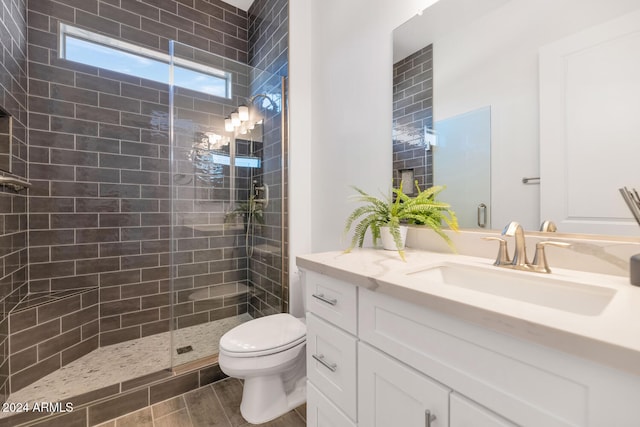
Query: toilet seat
x: 264, y: 336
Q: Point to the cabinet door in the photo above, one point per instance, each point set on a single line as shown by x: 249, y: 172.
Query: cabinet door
x: 465, y: 413
x: 392, y: 394
x: 322, y: 413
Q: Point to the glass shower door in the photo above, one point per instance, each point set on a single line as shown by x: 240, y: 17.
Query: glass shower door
x: 225, y: 194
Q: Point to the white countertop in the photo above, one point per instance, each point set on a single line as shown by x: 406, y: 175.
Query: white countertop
x: 610, y: 338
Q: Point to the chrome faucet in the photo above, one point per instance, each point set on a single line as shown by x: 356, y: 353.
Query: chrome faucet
x: 519, y: 261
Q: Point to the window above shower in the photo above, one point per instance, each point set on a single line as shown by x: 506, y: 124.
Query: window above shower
x: 105, y: 52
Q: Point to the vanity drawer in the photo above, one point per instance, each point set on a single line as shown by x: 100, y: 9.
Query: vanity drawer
x: 333, y: 300
x: 331, y: 363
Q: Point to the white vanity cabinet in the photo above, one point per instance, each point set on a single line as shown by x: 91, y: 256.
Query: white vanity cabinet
x: 385, y: 361
x: 465, y: 413
x: 321, y: 412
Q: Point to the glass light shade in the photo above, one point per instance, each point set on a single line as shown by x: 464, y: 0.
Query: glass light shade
x: 228, y: 126
x: 235, y: 119
x: 243, y: 113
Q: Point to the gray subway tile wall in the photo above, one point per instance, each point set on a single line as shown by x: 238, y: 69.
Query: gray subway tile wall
x: 104, y: 138
x: 413, y: 109
x: 94, y: 152
x: 98, y: 213
x: 268, y: 269
x: 13, y: 205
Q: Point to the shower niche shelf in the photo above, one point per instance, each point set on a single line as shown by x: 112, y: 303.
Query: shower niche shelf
x: 40, y: 298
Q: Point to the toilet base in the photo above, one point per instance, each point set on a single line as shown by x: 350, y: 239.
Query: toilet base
x: 264, y: 398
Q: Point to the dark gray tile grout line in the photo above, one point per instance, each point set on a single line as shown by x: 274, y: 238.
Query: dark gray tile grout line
x: 181, y: 397
x: 186, y: 405
x: 224, y: 410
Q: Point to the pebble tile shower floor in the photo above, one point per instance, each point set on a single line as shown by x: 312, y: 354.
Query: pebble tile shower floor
x: 125, y: 361
x: 213, y: 405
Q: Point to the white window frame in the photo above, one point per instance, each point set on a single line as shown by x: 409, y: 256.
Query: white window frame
x: 133, y: 49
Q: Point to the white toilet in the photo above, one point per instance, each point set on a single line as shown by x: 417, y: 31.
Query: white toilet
x: 269, y: 354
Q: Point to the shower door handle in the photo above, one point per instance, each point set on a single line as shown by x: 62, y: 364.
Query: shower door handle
x: 482, y: 215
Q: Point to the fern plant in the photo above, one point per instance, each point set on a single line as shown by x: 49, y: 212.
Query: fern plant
x: 422, y: 209
x: 244, y: 210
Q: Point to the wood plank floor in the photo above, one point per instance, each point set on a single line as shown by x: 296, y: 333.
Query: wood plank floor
x: 213, y: 405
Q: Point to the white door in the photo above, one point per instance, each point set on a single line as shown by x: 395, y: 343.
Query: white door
x: 590, y: 126
x: 392, y: 394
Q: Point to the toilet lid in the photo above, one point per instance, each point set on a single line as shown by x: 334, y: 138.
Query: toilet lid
x: 265, y: 335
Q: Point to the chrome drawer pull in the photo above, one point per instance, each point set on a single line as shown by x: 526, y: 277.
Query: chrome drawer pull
x: 428, y: 418
x: 322, y: 298
x: 320, y: 358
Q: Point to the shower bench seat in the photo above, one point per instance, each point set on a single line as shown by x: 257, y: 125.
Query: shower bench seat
x: 48, y: 330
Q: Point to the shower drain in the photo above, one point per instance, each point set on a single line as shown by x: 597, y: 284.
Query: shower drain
x: 185, y: 349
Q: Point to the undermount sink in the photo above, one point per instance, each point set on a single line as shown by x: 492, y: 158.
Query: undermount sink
x: 532, y: 288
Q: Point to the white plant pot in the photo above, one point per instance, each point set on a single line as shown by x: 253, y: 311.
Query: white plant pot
x: 387, y: 239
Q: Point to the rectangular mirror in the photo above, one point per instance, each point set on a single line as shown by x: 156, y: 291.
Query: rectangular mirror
x: 491, y: 53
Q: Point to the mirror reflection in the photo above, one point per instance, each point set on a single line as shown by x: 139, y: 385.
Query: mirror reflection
x: 560, y: 79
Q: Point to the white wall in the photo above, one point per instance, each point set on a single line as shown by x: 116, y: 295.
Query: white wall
x: 340, y: 114
x: 352, y: 107
x: 300, y: 131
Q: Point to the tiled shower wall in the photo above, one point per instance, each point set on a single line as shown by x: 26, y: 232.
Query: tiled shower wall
x: 208, y: 252
x: 268, y: 50
x: 99, y: 209
x: 413, y: 109
x: 13, y: 205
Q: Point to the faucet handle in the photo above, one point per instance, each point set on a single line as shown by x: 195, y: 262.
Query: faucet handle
x: 540, y: 259
x: 503, y: 252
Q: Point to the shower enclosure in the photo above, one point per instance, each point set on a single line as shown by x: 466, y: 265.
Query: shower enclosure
x: 205, y: 253
x: 227, y: 122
